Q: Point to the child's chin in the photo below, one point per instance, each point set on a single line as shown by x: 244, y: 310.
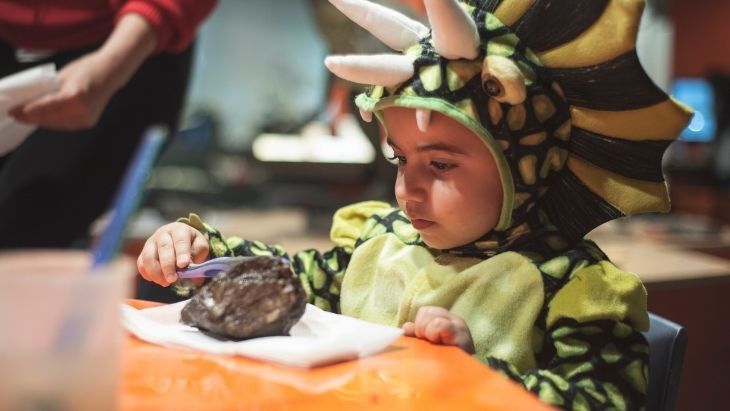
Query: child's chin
x: 438, y: 243
x: 441, y: 243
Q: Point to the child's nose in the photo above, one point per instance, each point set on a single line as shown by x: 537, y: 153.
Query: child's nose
x: 411, y: 186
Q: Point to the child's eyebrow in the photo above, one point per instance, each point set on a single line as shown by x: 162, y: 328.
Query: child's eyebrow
x: 432, y: 147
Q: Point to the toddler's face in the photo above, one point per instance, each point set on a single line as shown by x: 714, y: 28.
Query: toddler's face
x: 447, y: 183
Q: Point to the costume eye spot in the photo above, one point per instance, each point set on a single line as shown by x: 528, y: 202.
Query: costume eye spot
x: 493, y: 87
x: 503, y: 81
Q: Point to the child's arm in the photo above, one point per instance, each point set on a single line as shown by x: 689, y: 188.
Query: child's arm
x: 320, y: 272
x: 176, y: 245
x: 593, y: 355
x: 593, y: 365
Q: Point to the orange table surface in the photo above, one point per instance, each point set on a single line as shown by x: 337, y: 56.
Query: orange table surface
x: 411, y: 374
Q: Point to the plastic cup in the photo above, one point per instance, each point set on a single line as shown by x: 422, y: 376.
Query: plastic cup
x: 60, y: 330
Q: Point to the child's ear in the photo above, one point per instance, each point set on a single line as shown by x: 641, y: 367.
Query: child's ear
x: 503, y: 80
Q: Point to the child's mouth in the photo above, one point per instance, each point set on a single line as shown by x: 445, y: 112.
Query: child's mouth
x: 419, y: 224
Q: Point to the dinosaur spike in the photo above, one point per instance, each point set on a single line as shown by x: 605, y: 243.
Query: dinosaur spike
x: 392, y: 28
x: 367, y: 116
x: 380, y: 69
x: 455, y: 34
x: 423, y: 119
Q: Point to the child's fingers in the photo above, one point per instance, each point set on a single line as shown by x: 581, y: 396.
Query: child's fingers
x: 200, y: 248
x: 439, y: 330
x: 182, y: 238
x: 409, y: 329
x: 141, y: 268
x: 438, y: 325
x: 147, y: 263
x: 171, y: 247
x: 431, y: 311
x: 152, y: 271
x: 166, y: 256
x: 424, y: 316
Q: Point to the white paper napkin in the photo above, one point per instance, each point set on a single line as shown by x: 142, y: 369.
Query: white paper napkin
x: 318, y: 338
x: 20, y: 88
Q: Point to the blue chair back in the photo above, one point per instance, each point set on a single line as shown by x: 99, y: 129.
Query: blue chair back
x: 667, y: 345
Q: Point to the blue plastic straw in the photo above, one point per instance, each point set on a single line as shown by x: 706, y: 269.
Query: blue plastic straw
x: 129, y: 195
x: 127, y: 198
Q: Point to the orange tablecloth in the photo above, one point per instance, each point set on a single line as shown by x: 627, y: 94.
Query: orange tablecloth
x: 410, y: 375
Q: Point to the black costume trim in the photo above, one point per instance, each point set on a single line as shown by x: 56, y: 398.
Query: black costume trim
x: 632, y: 159
x: 557, y: 25
x: 574, y: 208
x: 617, y: 84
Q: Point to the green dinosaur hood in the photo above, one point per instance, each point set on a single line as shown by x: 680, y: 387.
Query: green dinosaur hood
x: 584, y: 144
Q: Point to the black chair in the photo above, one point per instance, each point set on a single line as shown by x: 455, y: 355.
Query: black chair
x: 667, y: 344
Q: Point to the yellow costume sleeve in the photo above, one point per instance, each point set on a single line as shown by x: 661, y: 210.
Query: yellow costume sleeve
x: 599, y: 292
x: 349, y: 222
x: 593, y: 355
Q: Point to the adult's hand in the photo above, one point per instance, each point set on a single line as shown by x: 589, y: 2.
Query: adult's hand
x: 84, y: 90
x: 87, y: 84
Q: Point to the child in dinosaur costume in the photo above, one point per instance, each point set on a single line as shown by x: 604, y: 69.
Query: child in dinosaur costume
x: 518, y: 127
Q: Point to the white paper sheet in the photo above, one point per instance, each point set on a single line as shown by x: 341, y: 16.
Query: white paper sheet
x: 20, y: 88
x: 318, y: 338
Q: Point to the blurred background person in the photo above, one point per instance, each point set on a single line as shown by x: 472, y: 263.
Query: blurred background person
x: 123, y: 65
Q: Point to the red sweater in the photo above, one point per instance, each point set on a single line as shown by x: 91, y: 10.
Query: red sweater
x: 71, y: 24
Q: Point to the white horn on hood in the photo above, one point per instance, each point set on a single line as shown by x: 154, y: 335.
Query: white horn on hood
x: 423, y: 119
x: 379, y: 69
x: 392, y: 28
x: 454, y: 32
x: 367, y: 116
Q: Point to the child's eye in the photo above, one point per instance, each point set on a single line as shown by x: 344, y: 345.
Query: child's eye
x: 442, y: 166
x: 401, y: 159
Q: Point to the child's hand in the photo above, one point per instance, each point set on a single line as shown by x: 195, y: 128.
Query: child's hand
x: 440, y: 326
x: 171, y: 247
